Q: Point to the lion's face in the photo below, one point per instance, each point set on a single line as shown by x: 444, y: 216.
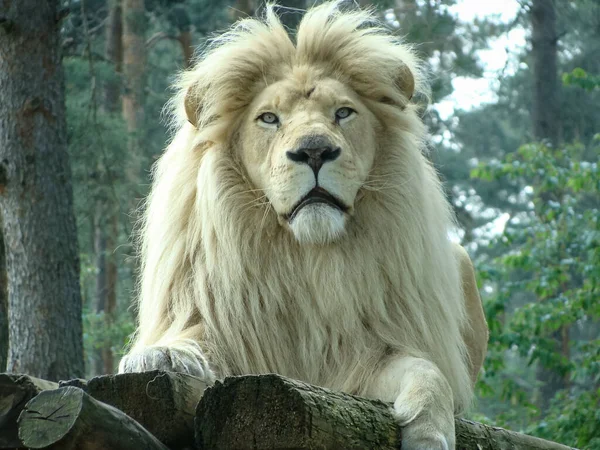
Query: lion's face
x: 309, y: 146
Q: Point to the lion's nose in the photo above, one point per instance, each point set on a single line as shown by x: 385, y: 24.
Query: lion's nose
x: 314, y: 155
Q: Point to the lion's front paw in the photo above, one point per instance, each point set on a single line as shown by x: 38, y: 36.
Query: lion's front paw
x: 429, y: 430
x: 168, y: 359
x: 424, y: 435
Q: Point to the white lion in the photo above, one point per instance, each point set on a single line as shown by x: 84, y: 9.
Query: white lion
x: 295, y: 226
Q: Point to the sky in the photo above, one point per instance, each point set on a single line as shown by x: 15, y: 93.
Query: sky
x: 470, y: 92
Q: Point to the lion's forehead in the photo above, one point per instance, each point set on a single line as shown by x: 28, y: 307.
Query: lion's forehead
x: 293, y: 94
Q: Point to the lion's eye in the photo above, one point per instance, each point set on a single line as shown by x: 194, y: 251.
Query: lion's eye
x: 343, y: 113
x: 269, y: 118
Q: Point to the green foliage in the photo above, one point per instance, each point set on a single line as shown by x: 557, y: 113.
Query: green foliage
x: 551, y: 252
x: 99, y: 332
x: 579, y: 77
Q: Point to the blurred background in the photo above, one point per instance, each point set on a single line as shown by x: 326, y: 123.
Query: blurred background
x: 514, y: 120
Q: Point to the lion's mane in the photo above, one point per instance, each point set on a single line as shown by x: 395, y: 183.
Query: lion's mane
x: 217, y: 267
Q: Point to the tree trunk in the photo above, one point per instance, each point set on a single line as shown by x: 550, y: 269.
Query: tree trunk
x: 180, y: 19
x: 3, y: 306
x: 134, y: 70
x: 110, y: 307
x: 187, y: 47
x: 113, y: 52
x: 36, y: 197
x: 544, y: 41
x: 101, y: 276
x: 107, y: 218
x: 546, y: 121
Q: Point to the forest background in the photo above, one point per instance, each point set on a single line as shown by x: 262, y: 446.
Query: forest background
x: 521, y: 170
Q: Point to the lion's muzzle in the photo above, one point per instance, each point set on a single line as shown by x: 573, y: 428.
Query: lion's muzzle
x: 317, y: 195
x: 314, y: 151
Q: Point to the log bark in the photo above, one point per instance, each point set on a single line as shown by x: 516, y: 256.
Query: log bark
x: 69, y: 419
x: 273, y: 412
x: 15, y: 391
x: 162, y: 402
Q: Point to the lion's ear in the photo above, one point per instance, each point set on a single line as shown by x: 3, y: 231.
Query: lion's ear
x: 192, y: 105
x: 405, y: 81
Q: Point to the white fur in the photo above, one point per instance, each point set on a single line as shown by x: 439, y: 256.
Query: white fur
x: 318, y: 224
x: 377, y: 308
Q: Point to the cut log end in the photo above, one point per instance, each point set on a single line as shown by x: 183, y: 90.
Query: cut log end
x: 15, y: 391
x: 50, y: 416
x: 69, y: 419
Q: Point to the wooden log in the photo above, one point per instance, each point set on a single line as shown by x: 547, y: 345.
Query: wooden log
x: 68, y: 419
x: 477, y: 436
x: 15, y: 391
x: 162, y: 402
x: 273, y: 412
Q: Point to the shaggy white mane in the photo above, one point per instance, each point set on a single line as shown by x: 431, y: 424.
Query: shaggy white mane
x: 221, y: 275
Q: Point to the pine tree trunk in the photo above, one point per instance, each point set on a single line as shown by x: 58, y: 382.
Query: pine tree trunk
x: 113, y: 52
x: 106, y: 225
x: 187, y: 47
x: 544, y: 40
x: 134, y: 70
x: 110, y: 308
x: 180, y: 19
x: 546, y: 121
x: 101, y: 275
x: 3, y: 307
x: 36, y: 196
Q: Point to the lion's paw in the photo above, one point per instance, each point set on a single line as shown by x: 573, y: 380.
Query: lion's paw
x: 425, y: 432
x: 167, y: 359
x: 421, y: 436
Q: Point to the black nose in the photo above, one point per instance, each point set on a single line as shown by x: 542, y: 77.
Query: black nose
x: 314, y: 151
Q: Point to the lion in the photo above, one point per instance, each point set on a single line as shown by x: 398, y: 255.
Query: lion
x: 296, y: 226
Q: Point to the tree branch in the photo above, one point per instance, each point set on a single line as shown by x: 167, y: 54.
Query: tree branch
x: 161, y: 35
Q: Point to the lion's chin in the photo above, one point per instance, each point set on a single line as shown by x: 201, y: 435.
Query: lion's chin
x: 318, y: 223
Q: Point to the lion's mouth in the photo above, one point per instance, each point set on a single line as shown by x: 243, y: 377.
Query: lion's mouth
x: 317, y: 195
